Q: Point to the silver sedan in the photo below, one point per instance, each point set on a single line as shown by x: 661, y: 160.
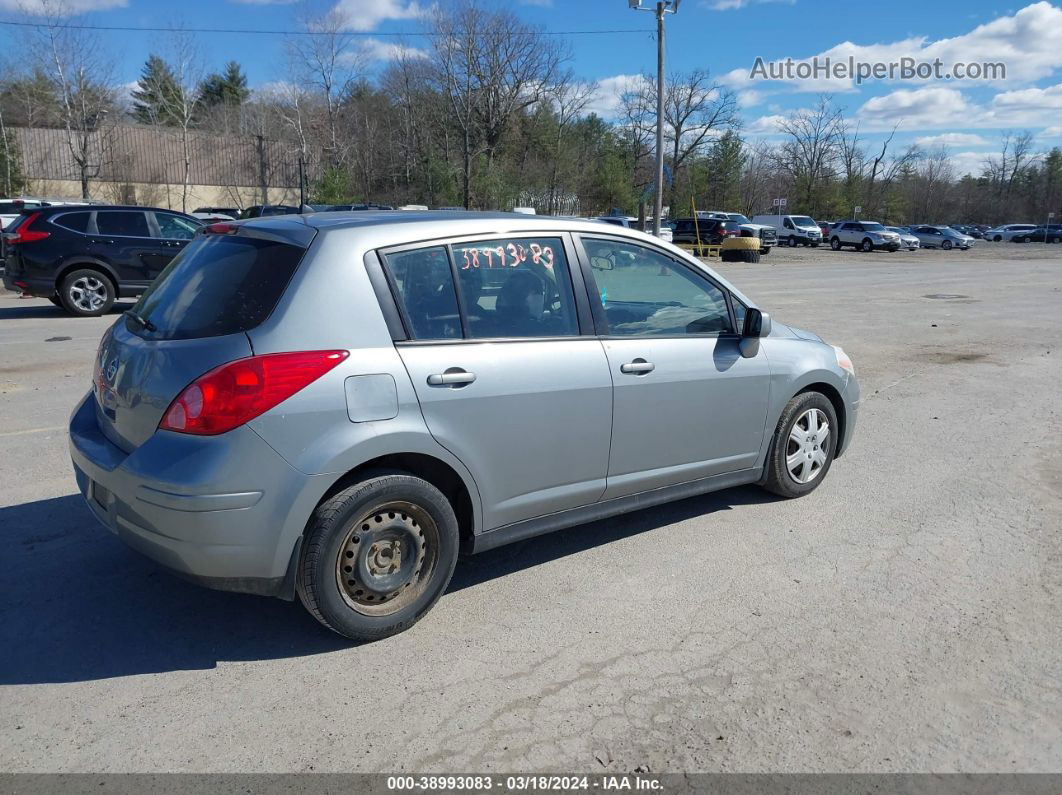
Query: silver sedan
x: 907, y: 240
x: 941, y: 237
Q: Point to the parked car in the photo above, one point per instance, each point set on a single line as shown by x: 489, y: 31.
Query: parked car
x: 825, y: 227
x: 666, y: 230
x: 705, y: 231
x: 10, y: 209
x: 941, y: 237
x: 865, y: 235
x: 230, y: 212
x: 276, y: 416
x: 968, y: 229
x: 1007, y: 231
x: 794, y: 230
x: 765, y: 232
x: 83, y: 258
x: 356, y: 207
x: 907, y: 240
x: 259, y: 210
x: 1051, y: 233
x: 208, y: 218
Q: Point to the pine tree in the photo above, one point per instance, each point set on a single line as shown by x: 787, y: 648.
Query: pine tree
x: 227, y: 88
x: 157, y: 93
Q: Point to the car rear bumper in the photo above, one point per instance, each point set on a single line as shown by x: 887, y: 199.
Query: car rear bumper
x: 17, y: 283
x: 224, y: 511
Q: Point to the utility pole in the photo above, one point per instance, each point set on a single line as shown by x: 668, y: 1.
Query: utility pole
x: 662, y: 7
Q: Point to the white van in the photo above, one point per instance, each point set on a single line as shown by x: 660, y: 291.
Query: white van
x: 792, y: 229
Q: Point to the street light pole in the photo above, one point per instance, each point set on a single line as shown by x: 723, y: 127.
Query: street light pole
x: 662, y: 7
x: 659, y: 208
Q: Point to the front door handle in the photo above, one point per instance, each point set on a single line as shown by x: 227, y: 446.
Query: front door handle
x: 454, y: 376
x: 102, y: 242
x: 637, y: 367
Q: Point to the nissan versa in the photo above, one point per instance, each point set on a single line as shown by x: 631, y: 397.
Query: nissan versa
x: 336, y: 405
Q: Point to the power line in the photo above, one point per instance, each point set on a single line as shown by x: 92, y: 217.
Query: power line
x: 372, y: 34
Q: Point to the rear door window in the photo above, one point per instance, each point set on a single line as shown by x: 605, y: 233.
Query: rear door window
x: 516, y: 287
x: 219, y: 284
x: 425, y: 287
x: 123, y: 223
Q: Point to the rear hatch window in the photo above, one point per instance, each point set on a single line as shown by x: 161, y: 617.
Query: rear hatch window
x: 220, y: 284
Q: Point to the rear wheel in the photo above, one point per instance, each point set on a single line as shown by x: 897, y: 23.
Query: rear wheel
x: 803, y: 445
x: 86, y: 293
x: 946, y: 245
x: 378, y: 555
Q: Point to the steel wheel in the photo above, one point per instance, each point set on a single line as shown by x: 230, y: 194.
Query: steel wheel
x: 88, y: 293
x: 387, y: 558
x: 808, y: 446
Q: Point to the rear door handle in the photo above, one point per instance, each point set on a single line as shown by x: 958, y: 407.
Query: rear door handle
x: 455, y: 376
x: 637, y: 367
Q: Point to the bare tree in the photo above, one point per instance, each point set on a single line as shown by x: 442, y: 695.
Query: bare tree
x: 327, y: 62
x: 568, y: 99
x: 1006, y: 168
x: 814, y: 138
x: 490, y: 66
x: 81, y: 76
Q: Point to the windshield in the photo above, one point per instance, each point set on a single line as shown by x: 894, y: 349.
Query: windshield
x: 804, y: 221
x: 872, y: 227
x: 741, y: 219
x: 219, y: 284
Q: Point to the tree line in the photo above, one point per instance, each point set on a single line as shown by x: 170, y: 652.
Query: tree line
x: 489, y: 114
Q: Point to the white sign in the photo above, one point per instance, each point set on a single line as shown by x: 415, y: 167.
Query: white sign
x: 778, y: 203
x: 858, y: 210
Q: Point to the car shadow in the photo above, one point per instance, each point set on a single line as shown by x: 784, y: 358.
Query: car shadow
x: 77, y: 605
x: 45, y: 309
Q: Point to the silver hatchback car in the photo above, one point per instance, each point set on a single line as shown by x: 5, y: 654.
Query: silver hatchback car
x: 336, y: 405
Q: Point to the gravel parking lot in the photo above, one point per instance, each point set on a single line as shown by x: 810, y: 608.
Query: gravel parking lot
x: 904, y: 617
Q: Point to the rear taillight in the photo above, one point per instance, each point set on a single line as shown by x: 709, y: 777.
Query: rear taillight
x: 220, y: 229
x: 237, y: 392
x: 23, y: 233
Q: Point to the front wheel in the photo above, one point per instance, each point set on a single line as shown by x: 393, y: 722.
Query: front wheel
x: 792, y: 242
x: 867, y: 245
x: 835, y: 244
x: 378, y: 555
x: 803, y: 446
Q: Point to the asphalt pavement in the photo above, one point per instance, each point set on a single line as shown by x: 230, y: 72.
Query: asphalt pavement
x: 904, y: 617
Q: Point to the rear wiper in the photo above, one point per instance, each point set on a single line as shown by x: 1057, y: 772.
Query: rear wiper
x: 143, y: 321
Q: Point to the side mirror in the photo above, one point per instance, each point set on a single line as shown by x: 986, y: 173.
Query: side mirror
x: 757, y: 326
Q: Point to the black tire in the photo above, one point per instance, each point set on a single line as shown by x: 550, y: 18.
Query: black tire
x: 946, y: 245
x: 777, y: 476
x: 730, y: 255
x: 792, y: 242
x: 388, y: 504
x: 867, y: 246
x: 835, y: 243
x: 75, y: 289
x: 998, y: 238
x: 749, y: 255
x: 55, y: 300
x: 765, y: 251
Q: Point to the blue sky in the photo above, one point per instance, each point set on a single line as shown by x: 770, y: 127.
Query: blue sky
x: 724, y: 36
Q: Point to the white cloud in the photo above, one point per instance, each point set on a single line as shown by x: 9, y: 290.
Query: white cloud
x: 948, y: 108
x: 951, y: 139
x: 1028, y: 42
x: 66, y: 8
x: 367, y: 14
x: 750, y: 98
x: 377, y: 50
x: 968, y: 163
x: 608, y: 93
x: 733, y: 5
x: 765, y: 125
x: 1054, y: 131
